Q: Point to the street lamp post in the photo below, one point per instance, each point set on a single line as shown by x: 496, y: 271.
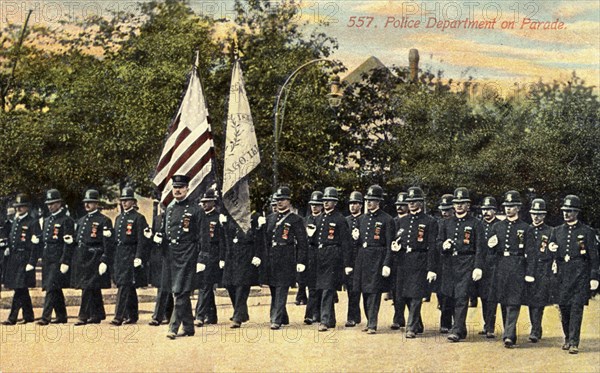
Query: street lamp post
x: 334, y: 98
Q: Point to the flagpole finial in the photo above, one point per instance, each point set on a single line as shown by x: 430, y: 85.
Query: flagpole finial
x: 197, y: 59
x: 236, y: 50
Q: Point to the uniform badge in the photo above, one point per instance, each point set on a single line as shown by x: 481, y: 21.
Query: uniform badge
x: 421, y: 233
x: 185, y: 224
x: 24, y: 229
x: 286, y: 231
x: 331, y: 231
x: 211, y: 228
x: 567, y: 258
x: 377, y: 234
x: 544, y: 243
x: 94, y: 232
x: 520, y: 233
x: 581, y: 243
x: 506, y: 253
x: 467, y: 237
x: 129, y: 229
x: 55, y: 231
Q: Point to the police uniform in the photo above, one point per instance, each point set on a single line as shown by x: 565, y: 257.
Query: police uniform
x: 308, y: 278
x: 57, y: 228
x: 163, y: 305
x: 94, y: 245
x: 131, y: 235
x: 353, y: 316
x: 22, y: 252
x: 484, y: 286
x: 445, y: 304
x: 577, y: 264
x: 400, y: 306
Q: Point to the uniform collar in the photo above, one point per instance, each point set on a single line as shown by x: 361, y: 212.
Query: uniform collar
x: 211, y: 211
x: 58, y: 212
x: 375, y: 212
x: 93, y: 212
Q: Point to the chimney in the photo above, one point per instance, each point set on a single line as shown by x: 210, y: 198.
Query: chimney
x: 413, y: 61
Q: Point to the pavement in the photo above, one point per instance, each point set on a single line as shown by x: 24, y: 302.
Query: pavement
x: 297, y: 347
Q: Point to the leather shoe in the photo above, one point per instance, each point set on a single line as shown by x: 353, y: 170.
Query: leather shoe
x: 80, y: 322
x: 490, y: 335
x: 566, y: 346
x: 8, y: 322
x: 350, y: 324
x: 508, y: 343
x: 25, y: 321
x: 395, y: 326
x: 171, y: 335
x: 235, y: 325
x: 186, y: 334
x: 94, y: 321
x: 533, y: 339
x: 58, y: 321
x: 130, y: 321
x: 154, y: 322
x: 444, y: 330
x: 411, y: 335
x: 275, y: 326
x: 483, y: 332
x: 365, y: 329
x: 573, y: 350
x: 371, y: 331
x: 43, y: 322
x: 453, y: 338
x: 199, y: 323
x: 116, y: 322
x: 308, y: 321
x: 322, y: 328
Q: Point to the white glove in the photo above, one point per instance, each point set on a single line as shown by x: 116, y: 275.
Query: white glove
x: 7, y: 252
x: 493, y: 241
x: 3, y: 243
x: 158, y: 238
x: 106, y: 232
x: 310, y: 230
x: 200, y: 267
x: 477, y: 273
x: 34, y: 239
x: 348, y: 270
x: 396, y: 246
x: 447, y: 245
x: 221, y: 264
x: 102, y: 268
x: 261, y: 221
x: 386, y: 271
x: 431, y: 276
x: 300, y: 268
x: 529, y: 279
x: 64, y: 268
x: 148, y: 232
x: 593, y: 284
x: 553, y: 247
x: 29, y: 267
x: 222, y: 219
x: 256, y: 261
x: 137, y: 262
x: 554, y: 267
x: 68, y: 239
x: 355, y: 234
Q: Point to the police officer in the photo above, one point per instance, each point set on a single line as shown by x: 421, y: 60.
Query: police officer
x: 375, y: 235
x: 445, y: 305
x: 57, y: 241
x: 355, y: 205
x: 163, y: 306
x: 489, y: 207
x: 20, y: 258
x: 309, y: 277
x: 91, y: 256
x: 460, y: 241
x: 399, y: 305
x: 573, y: 246
x: 131, y: 235
x: 209, y: 267
x: 511, y: 241
x: 415, y: 264
x: 332, y: 257
x: 286, y: 255
x: 540, y: 293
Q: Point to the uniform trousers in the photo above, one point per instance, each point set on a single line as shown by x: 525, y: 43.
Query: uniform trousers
x: 239, y: 299
x: 163, y: 307
x: 313, y: 305
x: 371, y: 303
x: 92, y: 305
x: 54, y: 301
x: 278, y: 311
x: 461, y: 306
x: 510, y: 322
x: 127, y: 303
x: 328, y: 307
x: 21, y: 300
x: 206, y: 308
x: 571, y: 316
x: 535, y: 317
x: 182, y: 313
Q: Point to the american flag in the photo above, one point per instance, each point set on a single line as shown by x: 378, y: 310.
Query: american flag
x: 189, y: 148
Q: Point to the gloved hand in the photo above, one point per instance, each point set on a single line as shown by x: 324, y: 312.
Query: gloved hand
x: 102, y: 268
x: 529, y: 279
x: 221, y: 264
x: 68, y: 239
x: 310, y: 230
x: 200, y: 267
x: 64, y: 268
x: 148, y: 232
x: 447, y: 245
x: 158, y: 238
x: 593, y: 284
x: 222, y: 219
x: 137, y: 262
x: 34, y: 239
x: 396, y: 246
x: 348, y: 270
x: 3, y: 243
x: 256, y: 261
x: 477, y: 273
x: 386, y: 271
x: 106, y: 232
x: 7, y: 251
x: 493, y: 241
x: 431, y: 276
x: 29, y: 267
x: 300, y: 268
x: 553, y: 247
x: 261, y: 221
x: 355, y: 234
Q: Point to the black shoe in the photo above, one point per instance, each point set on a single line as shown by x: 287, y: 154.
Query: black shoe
x: 490, y: 335
x: 199, y: 323
x: 275, y: 326
x: 80, y: 322
x: 25, y: 321
x: 171, y: 335
x: 322, y: 328
x: 235, y: 325
x: 508, y: 343
x: 533, y: 339
x: 154, y: 322
x: 210, y: 322
x: 58, y: 321
x: 444, y: 330
x: 43, y: 322
x: 483, y: 332
x: 94, y: 321
x: 419, y: 331
x: 411, y: 335
x: 573, y: 350
x: 130, y: 321
x: 186, y: 334
x: 8, y: 322
x: 395, y: 326
x: 566, y: 346
x: 350, y: 324
x: 453, y: 338
x: 308, y: 321
x: 116, y: 322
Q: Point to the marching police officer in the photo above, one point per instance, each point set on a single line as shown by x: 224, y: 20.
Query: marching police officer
x: 20, y: 258
x: 460, y: 241
x: 355, y: 205
x: 573, y: 246
x: 163, y: 306
x: 57, y: 240
x: 91, y: 256
x: 375, y: 235
x: 445, y: 305
x: 399, y: 305
x: 309, y: 277
x: 332, y: 257
x: 540, y: 293
x: 511, y: 241
x: 286, y: 255
x: 131, y: 235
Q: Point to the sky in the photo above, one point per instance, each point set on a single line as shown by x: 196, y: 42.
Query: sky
x: 517, y: 42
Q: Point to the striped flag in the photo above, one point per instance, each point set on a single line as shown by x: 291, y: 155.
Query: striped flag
x: 189, y: 148
x: 241, y: 152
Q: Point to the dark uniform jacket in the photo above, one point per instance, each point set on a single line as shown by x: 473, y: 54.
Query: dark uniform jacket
x: 212, y: 242
x: 130, y: 244
x: 484, y: 286
x: 353, y: 223
x: 239, y: 250
x: 156, y: 255
x: 309, y: 276
x: 516, y: 259
x: 465, y: 254
x: 542, y: 292
x: 376, y: 234
x: 417, y: 234
x: 287, y: 246
x: 22, y: 252
x: 181, y: 235
x: 333, y: 250
x: 94, y: 245
x: 55, y: 250
x: 577, y: 260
